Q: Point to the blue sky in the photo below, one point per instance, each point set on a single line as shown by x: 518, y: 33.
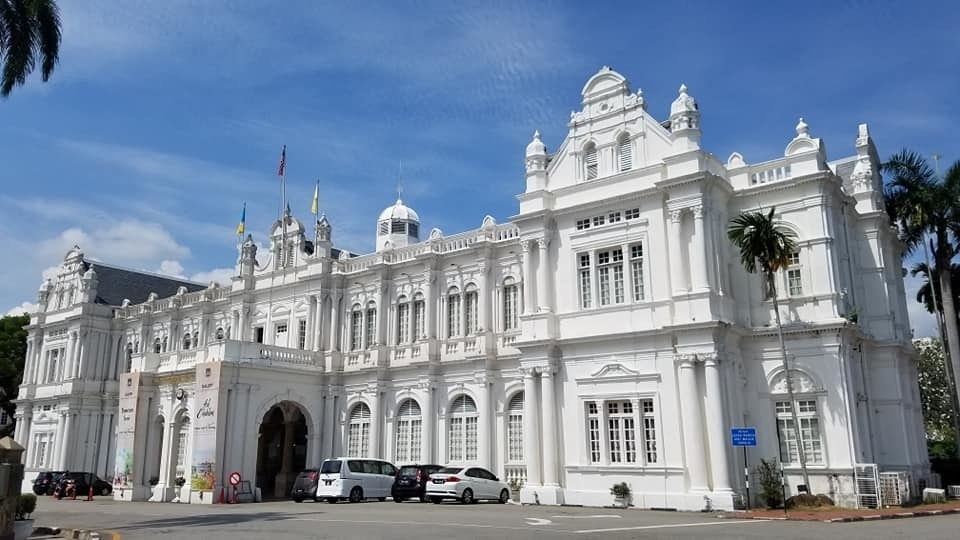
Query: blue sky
x: 163, y: 118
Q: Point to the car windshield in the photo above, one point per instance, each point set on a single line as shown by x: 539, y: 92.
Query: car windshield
x: 449, y: 470
x: 409, y: 471
x: 330, y: 467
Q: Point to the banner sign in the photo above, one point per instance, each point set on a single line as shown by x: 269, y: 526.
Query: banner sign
x: 126, y: 430
x: 203, y: 475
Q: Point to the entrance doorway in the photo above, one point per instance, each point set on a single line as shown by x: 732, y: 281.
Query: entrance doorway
x: 281, y: 449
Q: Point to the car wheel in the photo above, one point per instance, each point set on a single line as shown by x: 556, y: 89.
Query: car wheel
x: 504, y: 497
x: 436, y: 500
x: 332, y: 500
x: 381, y: 499
x: 423, y: 498
x: 398, y: 499
x: 356, y: 494
x: 467, y: 497
x: 298, y: 499
x: 104, y: 492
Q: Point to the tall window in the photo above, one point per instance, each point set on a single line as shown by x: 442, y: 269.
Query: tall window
x: 356, y: 328
x: 54, y: 365
x: 515, y: 429
x: 471, y: 301
x: 371, y: 325
x: 586, y: 293
x: 511, y: 305
x: 625, y: 150
x: 809, y: 432
x: 280, y: 335
x: 408, y: 423
x: 183, y: 437
x: 590, y: 160
x: 302, y: 334
x: 610, y: 276
x: 186, y: 342
x: 636, y: 271
x: 43, y: 447
x: 624, y: 443
x: 403, y: 320
x: 794, y: 276
x: 358, y: 432
x: 453, y: 312
x: 419, y: 313
x: 462, y: 430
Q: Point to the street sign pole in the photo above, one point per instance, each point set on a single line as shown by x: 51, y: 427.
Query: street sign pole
x: 744, y: 437
x: 746, y: 475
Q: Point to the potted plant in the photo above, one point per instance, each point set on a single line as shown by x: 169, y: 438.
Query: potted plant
x: 515, y: 486
x: 23, y: 526
x: 621, y: 494
x: 180, y: 481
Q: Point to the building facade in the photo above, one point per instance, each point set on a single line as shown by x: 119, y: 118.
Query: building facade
x: 607, y: 332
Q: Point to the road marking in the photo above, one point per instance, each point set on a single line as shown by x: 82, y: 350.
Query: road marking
x: 538, y: 521
x: 592, y: 516
x: 671, y: 526
x: 419, y: 523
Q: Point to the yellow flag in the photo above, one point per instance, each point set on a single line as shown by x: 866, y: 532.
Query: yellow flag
x: 316, y: 199
x: 242, y: 227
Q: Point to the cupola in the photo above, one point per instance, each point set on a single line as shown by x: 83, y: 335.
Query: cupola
x: 536, y: 164
x: 397, y: 226
x: 685, y: 120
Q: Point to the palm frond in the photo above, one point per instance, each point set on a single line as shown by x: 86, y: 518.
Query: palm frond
x: 764, y: 246
x: 47, y: 16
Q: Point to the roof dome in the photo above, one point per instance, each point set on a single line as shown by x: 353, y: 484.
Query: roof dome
x: 399, y: 211
x: 536, y: 146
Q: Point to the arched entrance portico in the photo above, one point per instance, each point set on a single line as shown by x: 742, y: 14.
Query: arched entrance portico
x: 281, y: 449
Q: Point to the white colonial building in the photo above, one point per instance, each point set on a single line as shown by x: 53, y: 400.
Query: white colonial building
x: 607, y: 332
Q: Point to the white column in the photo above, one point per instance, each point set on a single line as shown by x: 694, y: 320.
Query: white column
x: 484, y: 299
x: 528, y: 279
x: 719, y: 464
x: 693, y: 442
x: 329, y: 425
x: 673, y: 246
x: 375, y: 423
x: 335, y: 321
x: 318, y: 320
x: 429, y: 412
x: 543, y: 277
x: 429, y: 305
x: 67, y: 363
x: 57, y: 450
x: 28, y: 362
x: 531, y: 428
x: 549, y: 406
x: 698, y: 252
x: 167, y: 456
x: 383, y: 314
x: 65, y: 441
x: 485, y: 429
x: 240, y: 333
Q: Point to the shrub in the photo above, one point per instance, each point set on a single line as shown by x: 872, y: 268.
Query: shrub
x: 823, y: 500
x: 26, y: 504
x: 809, y: 501
x: 621, y: 490
x: 771, y: 490
x: 180, y: 481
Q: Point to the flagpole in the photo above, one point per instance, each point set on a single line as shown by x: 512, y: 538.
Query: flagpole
x: 283, y: 206
x: 316, y: 216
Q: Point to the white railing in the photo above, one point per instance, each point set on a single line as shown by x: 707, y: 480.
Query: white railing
x: 508, y: 340
x: 515, y: 474
x: 767, y: 175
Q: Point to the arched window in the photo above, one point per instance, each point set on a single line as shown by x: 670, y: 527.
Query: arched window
x: 462, y: 430
x: 511, y: 305
x: 408, y: 423
x: 419, y: 326
x: 471, y: 298
x: 358, y: 432
x: 403, y: 320
x: 183, y: 438
x: 515, y: 429
x: 356, y: 327
x: 453, y: 312
x: 590, y: 161
x: 371, y: 325
x: 157, y: 346
x: 164, y: 344
x: 186, y: 342
x: 625, y: 151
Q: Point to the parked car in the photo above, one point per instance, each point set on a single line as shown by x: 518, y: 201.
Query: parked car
x: 466, y: 484
x: 305, y: 486
x: 83, y: 481
x: 355, y: 479
x: 411, y: 482
x: 45, y: 482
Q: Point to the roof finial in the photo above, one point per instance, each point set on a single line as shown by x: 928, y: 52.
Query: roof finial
x: 400, y: 183
x: 683, y: 88
x: 803, y: 129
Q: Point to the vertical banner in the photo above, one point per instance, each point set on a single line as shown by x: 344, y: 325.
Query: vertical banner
x: 203, y: 474
x: 126, y: 430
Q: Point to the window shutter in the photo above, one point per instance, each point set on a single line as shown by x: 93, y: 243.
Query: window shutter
x: 626, y: 153
x: 591, y: 160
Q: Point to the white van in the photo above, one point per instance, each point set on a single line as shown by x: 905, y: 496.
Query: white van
x: 355, y: 479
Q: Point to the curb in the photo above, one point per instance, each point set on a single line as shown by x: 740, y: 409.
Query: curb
x: 899, y: 515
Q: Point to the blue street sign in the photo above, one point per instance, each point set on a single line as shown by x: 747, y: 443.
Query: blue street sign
x: 744, y: 436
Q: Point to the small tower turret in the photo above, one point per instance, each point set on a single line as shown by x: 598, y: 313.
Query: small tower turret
x: 397, y: 226
x: 324, y: 237
x: 536, y: 163
x: 685, y: 121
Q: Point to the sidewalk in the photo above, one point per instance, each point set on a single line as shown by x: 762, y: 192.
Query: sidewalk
x: 847, y: 515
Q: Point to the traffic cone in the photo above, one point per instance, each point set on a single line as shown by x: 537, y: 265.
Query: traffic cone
x: 90, y: 494
x: 221, y: 500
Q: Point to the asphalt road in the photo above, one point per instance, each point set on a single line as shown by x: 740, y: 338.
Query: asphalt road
x: 412, y: 520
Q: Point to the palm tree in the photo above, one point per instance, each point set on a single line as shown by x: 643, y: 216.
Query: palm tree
x: 922, y: 204
x: 931, y: 287
x: 766, y: 248
x: 29, y: 32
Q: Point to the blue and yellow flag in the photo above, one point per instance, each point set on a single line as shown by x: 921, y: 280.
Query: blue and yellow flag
x: 316, y: 199
x: 242, y: 227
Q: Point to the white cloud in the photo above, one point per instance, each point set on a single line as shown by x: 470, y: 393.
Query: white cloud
x: 128, y: 242
x: 25, y: 307
x: 922, y: 321
x: 171, y: 268
x: 223, y: 276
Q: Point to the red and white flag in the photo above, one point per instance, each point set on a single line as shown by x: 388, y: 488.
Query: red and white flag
x: 283, y: 161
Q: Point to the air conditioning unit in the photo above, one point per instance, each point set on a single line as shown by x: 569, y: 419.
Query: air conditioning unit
x: 895, y: 488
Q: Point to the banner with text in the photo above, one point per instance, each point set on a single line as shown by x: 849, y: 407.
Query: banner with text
x: 203, y: 475
x: 126, y: 430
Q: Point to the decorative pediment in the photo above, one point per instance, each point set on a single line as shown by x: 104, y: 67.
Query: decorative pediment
x: 802, y: 383
x: 614, y: 370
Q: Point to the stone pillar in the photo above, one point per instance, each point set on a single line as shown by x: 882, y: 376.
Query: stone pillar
x: 66, y: 364
x: 335, y: 320
x: 698, y: 252
x: 313, y: 449
x: 375, y: 422
x: 318, y: 321
x: 168, y: 464
x: 329, y: 424
x: 677, y: 281
x: 485, y: 430
x: 65, y: 449
x: 308, y: 342
x: 531, y: 428
x: 429, y: 306
x: 549, y: 407
x: 693, y: 442
x: 528, y: 278
x: 429, y: 444
x: 543, y: 277
x: 240, y: 333
x: 484, y: 320
x: 719, y: 464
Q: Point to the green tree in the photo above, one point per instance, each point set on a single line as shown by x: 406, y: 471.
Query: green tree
x: 922, y: 204
x: 924, y: 295
x: 29, y: 33
x: 766, y: 247
x: 13, y: 352
x: 936, y: 399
